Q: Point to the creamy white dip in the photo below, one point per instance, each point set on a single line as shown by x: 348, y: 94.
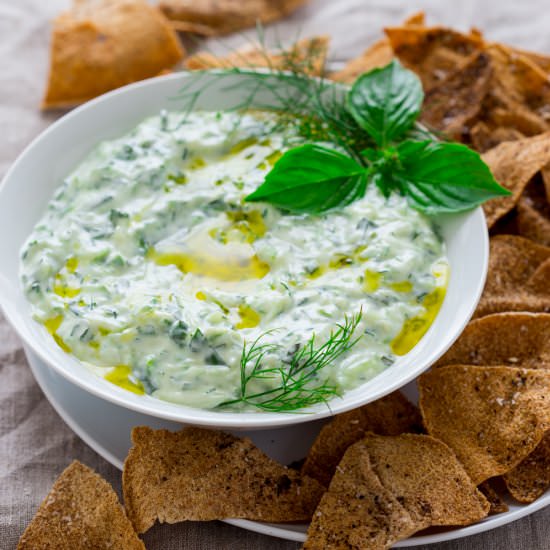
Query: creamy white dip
x: 150, y: 268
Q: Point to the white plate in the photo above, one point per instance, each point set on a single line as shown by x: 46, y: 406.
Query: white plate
x: 30, y: 183
x: 106, y: 428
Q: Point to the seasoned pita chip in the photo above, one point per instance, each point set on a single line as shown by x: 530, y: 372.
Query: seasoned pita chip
x: 101, y: 45
x: 514, y: 339
x: 357, y: 512
x: 531, y: 478
x: 491, y: 417
x: 217, y: 17
x: 81, y: 511
x: 377, y: 55
x: 308, y: 55
x: 514, y: 164
x: 534, y: 213
x: 498, y: 506
x: 202, y: 475
x: 391, y: 415
x: 451, y: 105
x: 432, y: 52
x: 426, y: 478
x: 517, y: 278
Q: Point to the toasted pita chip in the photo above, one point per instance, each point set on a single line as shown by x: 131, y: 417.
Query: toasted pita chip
x: 81, y: 511
x: 483, y: 137
x: 531, y: 478
x: 217, y: 17
x: 451, y: 105
x: 104, y: 44
x: 308, y: 55
x: 357, y: 512
x: 432, y: 52
x: 514, y: 339
x: 202, y: 475
x: 514, y: 164
x: 534, y: 213
x: 498, y: 506
x: 426, y: 478
x: 391, y: 415
x: 517, y: 277
x: 491, y: 417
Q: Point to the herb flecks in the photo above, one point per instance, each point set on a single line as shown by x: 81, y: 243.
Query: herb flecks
x: 302, y: 380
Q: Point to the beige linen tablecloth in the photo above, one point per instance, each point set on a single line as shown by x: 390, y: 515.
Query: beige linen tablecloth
x: 35, y: 444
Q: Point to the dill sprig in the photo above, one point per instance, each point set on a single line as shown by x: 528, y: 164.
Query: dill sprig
x: 302, y: 383
x: 315, y: 106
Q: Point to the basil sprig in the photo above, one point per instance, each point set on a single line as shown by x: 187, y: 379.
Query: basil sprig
x: 436, y: 177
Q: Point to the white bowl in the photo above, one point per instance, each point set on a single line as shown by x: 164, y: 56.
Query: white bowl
x: 31, y: 181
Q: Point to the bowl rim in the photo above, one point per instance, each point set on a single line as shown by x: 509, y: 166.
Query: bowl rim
x: 205, y: 417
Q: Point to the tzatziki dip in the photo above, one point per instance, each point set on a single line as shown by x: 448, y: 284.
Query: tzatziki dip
x: 151, y: 269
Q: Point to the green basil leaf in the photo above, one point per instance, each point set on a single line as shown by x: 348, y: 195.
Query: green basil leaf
x: 385, y: 102
x: 312, y: 179
x: 439, y: 177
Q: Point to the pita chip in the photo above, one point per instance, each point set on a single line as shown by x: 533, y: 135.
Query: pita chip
x: 357, y: 512
x: 452, y: 104
x: 433, y: 53
x: 517, y: 278
x: 513, y: 339
x: 104, y: 44
x: 513, y: 164
x: 217, y: 17
x: 202, y: 475
x: 81, y: 511
x: 491, y: 417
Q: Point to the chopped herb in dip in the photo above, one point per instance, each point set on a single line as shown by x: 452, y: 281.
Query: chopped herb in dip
x: 150, y: 267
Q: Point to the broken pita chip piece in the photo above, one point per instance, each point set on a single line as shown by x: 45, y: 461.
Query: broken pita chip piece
x: 391, y: 415
x: 218, y: 17
x: 357, y: 511
x: 81, y: 511
x: 432, y: 53
x: 513, y: 339
x: 513, y: 164
x: 452, y: 104
x: 102, y: 45
x: 306, y: 56
x: 497, y: 505
x: 202, y: 475
x: 531, y: 478
x: 491, y: 417
x: 517, y: 277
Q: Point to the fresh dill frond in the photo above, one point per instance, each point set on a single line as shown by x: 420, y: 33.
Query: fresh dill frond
x: 315, y: 106
x: 302, y: 382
